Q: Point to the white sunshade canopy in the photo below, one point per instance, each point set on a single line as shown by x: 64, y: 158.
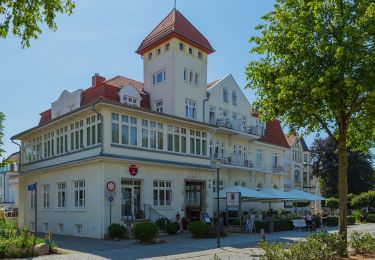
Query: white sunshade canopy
x: 276, y: 194
x: 306, y: 195
x: 245, y: 193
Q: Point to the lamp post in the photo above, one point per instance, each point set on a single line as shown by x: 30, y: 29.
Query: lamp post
x: 216, y: 164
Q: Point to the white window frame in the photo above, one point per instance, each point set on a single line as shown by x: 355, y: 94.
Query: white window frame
x: 225, y: 95
x: 159, y: 105
x: 155, y: 77
x: 128, y: 100
x: 61, y: 195
x: 162, y: 187
x: 46, y: 196
x: 190, y: 109
x: 79, y: 188
x: 234, y: 98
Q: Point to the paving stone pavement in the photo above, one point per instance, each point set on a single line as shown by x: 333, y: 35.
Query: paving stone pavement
x: 182, y: 246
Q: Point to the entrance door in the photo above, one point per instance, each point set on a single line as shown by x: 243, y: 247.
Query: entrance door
x: 194, y: 197
x: 131, y: 198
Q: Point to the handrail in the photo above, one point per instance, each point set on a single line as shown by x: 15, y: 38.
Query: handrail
x: 153, y: 214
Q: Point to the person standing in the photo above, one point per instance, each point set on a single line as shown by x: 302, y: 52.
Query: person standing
x: 324, y: 220
x: 309, y: 220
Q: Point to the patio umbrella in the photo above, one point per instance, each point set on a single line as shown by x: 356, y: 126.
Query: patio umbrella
x: 305, y: 196
x: 278, y: 196
x: 246, y: 193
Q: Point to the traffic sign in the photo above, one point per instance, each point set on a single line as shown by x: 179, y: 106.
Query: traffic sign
x: 111, y: 186
x: 110, y: 199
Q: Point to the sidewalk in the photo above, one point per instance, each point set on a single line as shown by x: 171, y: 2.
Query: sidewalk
x: 182, y: 246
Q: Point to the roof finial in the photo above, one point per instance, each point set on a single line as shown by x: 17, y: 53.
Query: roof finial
x: 174, y: 4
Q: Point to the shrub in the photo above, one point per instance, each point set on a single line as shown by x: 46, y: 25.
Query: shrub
x: 316, y: 219
x: 198, y: 229
x: 161, y: 223
x: 117, y: 231
x: 362, y: 242
x: 365, y: 199
x: 283, y: 224
x: 318, y: 246
x: 332, y: 203
x: 259, y: 224
x: 173, y: 228
x: 370, y: 218
x: 145, y: 232
x: 351, y: 220
x: 333, y: 221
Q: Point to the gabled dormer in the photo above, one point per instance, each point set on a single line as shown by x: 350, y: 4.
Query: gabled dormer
x: 129, y: 95
x: 67, y: 102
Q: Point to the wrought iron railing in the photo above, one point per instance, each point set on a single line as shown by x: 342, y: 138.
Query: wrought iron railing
x: 151, y: 214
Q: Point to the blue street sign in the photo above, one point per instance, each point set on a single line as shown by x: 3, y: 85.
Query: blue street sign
x: 110, y: 199
x: 31, y: 187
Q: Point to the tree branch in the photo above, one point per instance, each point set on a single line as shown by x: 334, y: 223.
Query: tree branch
x: 326, y: 128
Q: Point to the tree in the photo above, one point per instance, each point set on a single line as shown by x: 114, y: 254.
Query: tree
x: 24, y: 18
x: 332, y: 203
x: 316, y: 72
x: 366, y: 199
x: 361, y: 175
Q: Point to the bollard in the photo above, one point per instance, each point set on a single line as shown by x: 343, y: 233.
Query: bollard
x: 262, y: 235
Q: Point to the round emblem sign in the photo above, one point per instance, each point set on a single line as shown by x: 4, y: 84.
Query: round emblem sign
x: 111, y: 186
x: 133, y: 170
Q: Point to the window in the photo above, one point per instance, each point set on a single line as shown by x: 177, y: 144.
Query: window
x: 159, y: 51
x: 275, y: 160
x: 191, y: 76
x: 159, y: 105
x: 60, y: 228
x: 211, y: 115
x: 45, y: 227
x: 181, y: 46
x: 79, y: 228
x: 225, y: 95
x: 196, y: 79
x: 46, y: 196
x: 162, y: 193
x: 61, y: 195
x: 167, y: 46
x: 234, y: 98
x: 198, y: 142
x: 191, y: 51
x: 199, y: 55
x: 305, y: 161
x: 150, y: 56
x: 79, y: 194
x: 259, y: 156
x: 129, y: 100
x: 158, y: 77
x: 297, y: 177
x: 186, y: 71
x: 115, y: 128
x: 190, y: 109
x: 221, y: 186
x: 144, y: 133
x: 129, y: 130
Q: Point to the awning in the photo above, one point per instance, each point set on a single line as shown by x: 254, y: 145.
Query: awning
x: 278, y: 195
x: 246, y: 193
x: 306, y: 196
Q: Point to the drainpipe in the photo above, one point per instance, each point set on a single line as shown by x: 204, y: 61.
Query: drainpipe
x: 204, y: 107
x: 101, y: 128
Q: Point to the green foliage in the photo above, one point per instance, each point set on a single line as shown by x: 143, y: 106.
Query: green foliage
x: 316, y: 219
x: 361, y: 176
x: 259, y: 224
x: 332, y: 203
x: 370, y: 218
x: 283, y: 224
x: 362, y: 243
x: 173, y: 228
x: 24, y: 19
x: 351, y: 220
x: 162, y: 223
x: 16, y: 243
x: 198, y: 229
x: 117, y: 231
x: 145, y: 232
x: 318, y: 246
x: 316, y: 72
x: 332, y: 221
x: 363, y: 200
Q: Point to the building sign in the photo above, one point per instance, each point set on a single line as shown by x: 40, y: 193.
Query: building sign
x: 31, y: 186
x: 133, y: 170
x: 233, y: 199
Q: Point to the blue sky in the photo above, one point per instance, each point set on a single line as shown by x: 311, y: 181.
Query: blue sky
x: 102, y: 36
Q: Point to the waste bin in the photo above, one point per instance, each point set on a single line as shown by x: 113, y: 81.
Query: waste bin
x: 270, y: 226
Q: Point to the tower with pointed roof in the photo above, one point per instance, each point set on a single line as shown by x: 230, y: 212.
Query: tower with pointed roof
x: 175, y: 67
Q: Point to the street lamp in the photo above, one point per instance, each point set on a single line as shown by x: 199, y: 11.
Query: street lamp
x: 216, y: 164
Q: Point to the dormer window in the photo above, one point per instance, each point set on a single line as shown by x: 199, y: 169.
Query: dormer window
x: 191, y: 51
x: 159, y: 51
x: 181, y: 46
x: 131, y: 101
x: 199, y: 55
x: 167, y: 47
x: 150, y: 56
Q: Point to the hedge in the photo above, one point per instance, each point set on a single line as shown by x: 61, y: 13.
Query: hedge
x: 173, y: 228
x: 145, y: 232
x: 351, y: 220
x: 161, y: 223
x: 117, y: 231
x: 198, y: 229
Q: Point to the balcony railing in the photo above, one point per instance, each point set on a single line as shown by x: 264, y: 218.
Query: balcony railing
x: 237, y: 124
x: 278, y: 168
x: 235, y: 160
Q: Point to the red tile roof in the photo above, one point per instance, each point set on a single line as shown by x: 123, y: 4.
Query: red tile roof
x: 291, y: 139
x: 274, y: 134
x: 107, y: 90
x: 175, y: 25
x: 212, y: 83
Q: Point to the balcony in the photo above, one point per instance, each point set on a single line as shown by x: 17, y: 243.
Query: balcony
x: 237, y: 125
x: 235, y: 160
x: 278, y: 169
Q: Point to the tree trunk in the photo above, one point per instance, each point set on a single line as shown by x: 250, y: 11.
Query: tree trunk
x: 343, y: 183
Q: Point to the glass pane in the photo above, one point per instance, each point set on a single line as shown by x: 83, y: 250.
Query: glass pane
x: 144, y: 137
x: 115, y: 133
x: 153, y: 139
x: 176, y: 143
x: 198, y: 146
x: 204, y: 147
x: 155, y: 197
x: 183, y: 144
x: 161, y: 197
x: 192, y: 145
x: 160, y: 140
x: 170, y: 142
x: 168, y: 198
x: 125, y: 134
x: 133, y: 136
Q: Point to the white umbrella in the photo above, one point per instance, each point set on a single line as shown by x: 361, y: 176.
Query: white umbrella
x: 279, y: 195
x: 306, y: 195
x: 245, y: 193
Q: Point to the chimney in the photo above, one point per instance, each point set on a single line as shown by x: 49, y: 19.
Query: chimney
x: 97, y: 80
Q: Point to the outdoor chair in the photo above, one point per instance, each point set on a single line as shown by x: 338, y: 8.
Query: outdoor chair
x: 299, y: 224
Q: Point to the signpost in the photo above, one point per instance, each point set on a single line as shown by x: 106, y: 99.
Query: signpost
x: 111, y: 193
x: 33, y: 187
